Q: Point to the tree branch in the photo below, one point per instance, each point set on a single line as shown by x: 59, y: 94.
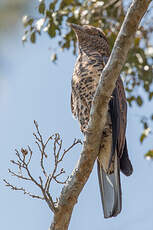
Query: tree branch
x: 47, y: 174
x: 81, y: 173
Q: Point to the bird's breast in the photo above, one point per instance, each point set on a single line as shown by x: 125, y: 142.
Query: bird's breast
x: 85, y: 79
x: 87, y: 72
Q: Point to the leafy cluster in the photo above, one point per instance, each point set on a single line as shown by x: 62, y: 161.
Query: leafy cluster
x: 108, y: 15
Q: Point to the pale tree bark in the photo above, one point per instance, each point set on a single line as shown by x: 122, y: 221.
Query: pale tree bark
x: 81, y: 173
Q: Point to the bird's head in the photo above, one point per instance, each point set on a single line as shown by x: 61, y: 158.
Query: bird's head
x: 91, y: 38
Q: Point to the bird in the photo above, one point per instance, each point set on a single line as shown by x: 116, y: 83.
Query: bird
x: 113, y: 157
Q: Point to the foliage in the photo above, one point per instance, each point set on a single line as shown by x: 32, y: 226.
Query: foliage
x: 108, y: 15
x: 149, y: 154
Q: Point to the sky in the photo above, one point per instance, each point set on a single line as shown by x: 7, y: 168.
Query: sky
x: 33, y: 88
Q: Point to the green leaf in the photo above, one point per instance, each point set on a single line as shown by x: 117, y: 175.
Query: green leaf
x: 146, y: 86
x: 128, y: 90
x: 42, y: 8
x: 150, y: 96
x: 27, y: 21
x: 139, y: 100
x: 130, y: 100
x: 149, y: 154
x: 145, y: 125
x: 65, y: 3
x: 48, y: 14
x: 52, y: 30
x: 144, y: 134
x: 54, y: 57
x: 52, y: 5
x: 33, y: 37
x: 137, y: 41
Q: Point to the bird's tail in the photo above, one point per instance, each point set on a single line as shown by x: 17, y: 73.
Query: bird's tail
x: 110, y: 189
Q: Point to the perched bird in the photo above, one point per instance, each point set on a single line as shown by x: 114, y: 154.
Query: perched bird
x: 113, y: 156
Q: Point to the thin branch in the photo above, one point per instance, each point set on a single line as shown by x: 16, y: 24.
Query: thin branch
x: 60, y: 182
x: 17, y: 175
x: 67, y: 150
x: 60, y: 173
x: 30, y: 155
x: 49, y: 201
x: 57, y: 160
x: 23, y: 161
x: 40, y: 143
x: 37, y: 128
x: 52, y: 203
x: 23, y: 190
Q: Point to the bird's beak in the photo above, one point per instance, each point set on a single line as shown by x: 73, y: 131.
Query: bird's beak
x: 76, y: 27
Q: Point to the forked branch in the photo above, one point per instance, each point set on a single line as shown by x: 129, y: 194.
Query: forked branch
x: 23, y: 165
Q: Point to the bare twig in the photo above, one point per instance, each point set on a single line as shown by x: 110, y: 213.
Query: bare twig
x: 22, y: 189
x: 60, y: 182
x: 23, y: 162
x: 67, y: 150
x: 57, y: 159
x: 30, y: 155
x: 17, y: 175
x: 39, y: 141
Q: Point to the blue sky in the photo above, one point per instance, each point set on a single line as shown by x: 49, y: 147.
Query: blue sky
x: 31, y: 87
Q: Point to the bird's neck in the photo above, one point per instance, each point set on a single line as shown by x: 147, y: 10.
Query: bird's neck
x: 89, y: 55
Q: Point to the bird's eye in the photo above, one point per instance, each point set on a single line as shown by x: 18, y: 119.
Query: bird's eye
x: 100, y: 35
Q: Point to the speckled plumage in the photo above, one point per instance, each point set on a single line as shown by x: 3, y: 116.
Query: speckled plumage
x: 93, y: 55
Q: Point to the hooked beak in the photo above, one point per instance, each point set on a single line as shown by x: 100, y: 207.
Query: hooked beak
x: 76, y: 27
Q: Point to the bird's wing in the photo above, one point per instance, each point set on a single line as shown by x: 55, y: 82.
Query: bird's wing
x: 118, y: 111
x: 122, y: 116
x: 110, y: 187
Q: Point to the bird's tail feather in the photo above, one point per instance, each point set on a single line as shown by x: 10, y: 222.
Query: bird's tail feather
x: 110, y: 189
